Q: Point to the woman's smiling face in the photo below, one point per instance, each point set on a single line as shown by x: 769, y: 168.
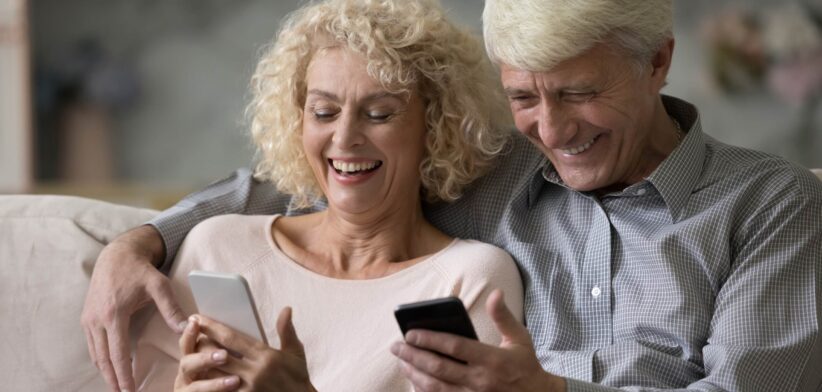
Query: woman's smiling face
x: 364, y: 143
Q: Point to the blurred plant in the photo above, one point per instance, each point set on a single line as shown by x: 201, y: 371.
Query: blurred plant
x: 737, y: 51
x: 778, y: 48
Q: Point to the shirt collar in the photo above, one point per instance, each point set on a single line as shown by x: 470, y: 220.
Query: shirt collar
x: 676, y: 176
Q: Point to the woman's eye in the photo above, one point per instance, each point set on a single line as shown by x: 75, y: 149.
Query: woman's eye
x: 378, y: 116
x: 324, y: 114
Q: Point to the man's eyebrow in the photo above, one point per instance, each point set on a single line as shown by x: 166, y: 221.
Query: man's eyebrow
x: 510, y: 91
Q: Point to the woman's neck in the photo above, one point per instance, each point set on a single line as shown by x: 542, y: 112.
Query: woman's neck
x: 360, y: 246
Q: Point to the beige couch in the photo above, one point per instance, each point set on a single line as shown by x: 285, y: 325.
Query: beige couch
x: 48, y: 245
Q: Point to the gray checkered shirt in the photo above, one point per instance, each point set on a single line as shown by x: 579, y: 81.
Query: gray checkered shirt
x: 704, y: 276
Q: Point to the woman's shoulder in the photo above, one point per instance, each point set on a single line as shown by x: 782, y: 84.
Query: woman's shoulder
x: 230, y: 231
x: 478, y: 259
x: 232, y: 225
x: 226, y: 240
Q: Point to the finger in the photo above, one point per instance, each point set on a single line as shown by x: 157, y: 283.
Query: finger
x: 432, y: 364
x: 192, y: 365
x: 101, y: 357
x: 118, y: 343
x: 462, y: 348
x: 289, y: 342
x: 424, y: 382
x: 512, y: 331
x: 90, y: 345
x: 162, y: 294
x: 188, y: 339
x: 228, y: 383
x: 227, y: 337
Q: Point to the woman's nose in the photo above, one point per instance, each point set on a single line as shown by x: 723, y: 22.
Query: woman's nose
x: 347, y: 132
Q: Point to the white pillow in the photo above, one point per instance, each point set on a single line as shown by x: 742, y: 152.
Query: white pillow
x: 48, y: 246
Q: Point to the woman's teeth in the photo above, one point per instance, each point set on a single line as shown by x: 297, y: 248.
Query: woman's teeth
x: 577, y: 150
x: 354, y: 167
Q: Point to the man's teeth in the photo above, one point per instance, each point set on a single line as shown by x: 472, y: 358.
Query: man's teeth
x: 577, y: 150
x: 353, y: 167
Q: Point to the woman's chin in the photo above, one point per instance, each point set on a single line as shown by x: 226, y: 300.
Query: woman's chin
x: 357, y: 204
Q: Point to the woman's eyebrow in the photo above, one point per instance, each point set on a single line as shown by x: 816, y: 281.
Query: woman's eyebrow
x: 323, y: 93
x: 370, y: 97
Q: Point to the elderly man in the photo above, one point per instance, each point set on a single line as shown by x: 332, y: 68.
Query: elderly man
x: 653, y: 256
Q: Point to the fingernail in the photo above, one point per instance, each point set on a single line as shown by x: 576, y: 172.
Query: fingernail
x: 182, y: 326
x: 395, y: 348
x: 192, y: 319
x: 219, y: 356
x: 411, y: 337
x: 231, y: 381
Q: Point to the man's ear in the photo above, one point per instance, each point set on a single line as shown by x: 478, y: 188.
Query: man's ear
x: 661, y: 64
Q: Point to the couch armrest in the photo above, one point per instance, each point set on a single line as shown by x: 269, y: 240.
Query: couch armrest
x: 48, y: 246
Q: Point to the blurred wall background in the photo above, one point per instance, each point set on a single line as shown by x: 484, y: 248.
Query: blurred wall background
x: 147, y: 96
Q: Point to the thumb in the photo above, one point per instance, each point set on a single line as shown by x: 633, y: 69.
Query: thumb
x: 171, y: 311
x: 289, y: 342
x: 512, y: 331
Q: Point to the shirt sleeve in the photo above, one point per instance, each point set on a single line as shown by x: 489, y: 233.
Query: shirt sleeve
x: 765, y: 327
x: 239, y: 193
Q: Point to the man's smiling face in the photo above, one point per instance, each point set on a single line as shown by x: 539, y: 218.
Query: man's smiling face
x: 591, y: 115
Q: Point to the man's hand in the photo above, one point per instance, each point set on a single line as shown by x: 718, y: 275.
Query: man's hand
x: 512, y: 366
x: 125, y: 279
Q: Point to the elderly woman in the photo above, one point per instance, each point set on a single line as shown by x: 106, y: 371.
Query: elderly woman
x: 371, y: 106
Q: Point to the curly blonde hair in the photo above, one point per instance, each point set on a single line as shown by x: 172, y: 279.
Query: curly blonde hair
x: 408, y: 44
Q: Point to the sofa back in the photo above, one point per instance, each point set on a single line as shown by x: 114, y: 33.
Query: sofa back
x: 48, y: 246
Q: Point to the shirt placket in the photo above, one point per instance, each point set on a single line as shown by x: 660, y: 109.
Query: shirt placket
x: 594, y: 290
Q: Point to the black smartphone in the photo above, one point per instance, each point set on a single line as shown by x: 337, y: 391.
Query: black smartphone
x: 442, y: 314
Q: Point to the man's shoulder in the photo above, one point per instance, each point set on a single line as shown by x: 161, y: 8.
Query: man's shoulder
x: 750, y: 172
x: 513, y: 168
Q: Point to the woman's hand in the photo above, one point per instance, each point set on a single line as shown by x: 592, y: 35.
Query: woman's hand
x: 260, y: 367
x: 198, y: 367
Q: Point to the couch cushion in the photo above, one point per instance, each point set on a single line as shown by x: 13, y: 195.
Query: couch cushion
x: 48, y: 246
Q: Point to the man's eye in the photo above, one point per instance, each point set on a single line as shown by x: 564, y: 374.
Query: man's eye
x: 519, y: 98
x: 577, y: 97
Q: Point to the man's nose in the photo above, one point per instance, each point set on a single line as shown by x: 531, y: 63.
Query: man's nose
x: 554, y: 128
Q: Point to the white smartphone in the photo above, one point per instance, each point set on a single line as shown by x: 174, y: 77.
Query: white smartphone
x: 227, y: 299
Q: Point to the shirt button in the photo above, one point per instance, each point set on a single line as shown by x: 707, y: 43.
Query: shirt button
x: 640, y: 192
x: 596, y: 291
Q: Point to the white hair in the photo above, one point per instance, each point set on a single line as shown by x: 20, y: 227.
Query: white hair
x: 536, y: 35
